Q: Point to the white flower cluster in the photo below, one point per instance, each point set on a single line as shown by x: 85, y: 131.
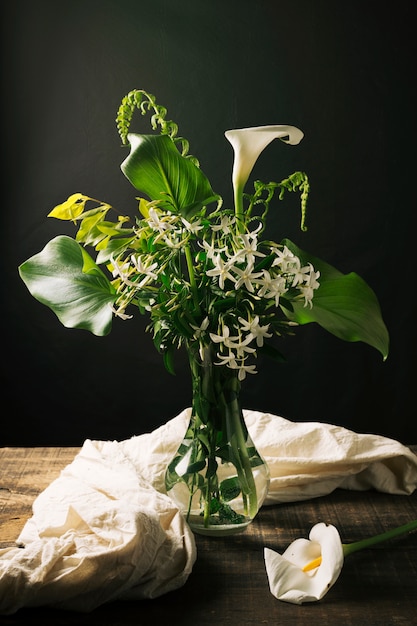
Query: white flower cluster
x: 237, y: 264
x: 226, y: 261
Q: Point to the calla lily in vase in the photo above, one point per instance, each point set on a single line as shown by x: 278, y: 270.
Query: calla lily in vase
x: 211, y: 283
x: 308, y: 568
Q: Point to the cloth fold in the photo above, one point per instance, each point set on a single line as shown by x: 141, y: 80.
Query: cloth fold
x: 105, y: 528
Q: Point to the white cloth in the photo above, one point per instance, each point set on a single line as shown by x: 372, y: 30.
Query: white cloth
x: 105, y: 529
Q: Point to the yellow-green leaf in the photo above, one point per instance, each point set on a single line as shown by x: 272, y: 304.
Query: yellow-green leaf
x: 71, y: 208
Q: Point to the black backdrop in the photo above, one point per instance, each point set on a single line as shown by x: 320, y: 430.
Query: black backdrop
x: 343, y: 72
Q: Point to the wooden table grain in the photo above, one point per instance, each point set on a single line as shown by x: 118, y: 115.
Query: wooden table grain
x: 229, y: 585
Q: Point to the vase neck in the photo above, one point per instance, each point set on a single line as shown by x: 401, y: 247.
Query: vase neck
x: 215, y: 388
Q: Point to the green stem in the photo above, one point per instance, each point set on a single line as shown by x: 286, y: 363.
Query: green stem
x: 241, y: 458
x: 211, y: 482
x: 239, y: 207
x: 219, y: 431
x: 349, y: 548
x: 207, y: 503
x: 194, y: 476
x: 191, y: 275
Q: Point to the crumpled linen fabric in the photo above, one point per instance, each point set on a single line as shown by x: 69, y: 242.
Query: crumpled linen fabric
x: 305, y: 459
x: 105, y: 528
x: 99, y: 532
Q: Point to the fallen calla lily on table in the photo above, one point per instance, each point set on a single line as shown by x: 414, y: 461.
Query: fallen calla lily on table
x: 309, y: 567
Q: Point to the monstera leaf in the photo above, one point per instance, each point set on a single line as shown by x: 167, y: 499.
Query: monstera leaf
x: 156, y: 168
x: 344, y: 305
x: 65, y: 278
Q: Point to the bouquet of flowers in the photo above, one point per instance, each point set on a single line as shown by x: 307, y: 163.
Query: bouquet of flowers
x: 202, y: 272
x: 209, y: 280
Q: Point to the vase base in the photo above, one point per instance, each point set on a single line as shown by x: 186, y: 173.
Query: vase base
x: 217, y: 530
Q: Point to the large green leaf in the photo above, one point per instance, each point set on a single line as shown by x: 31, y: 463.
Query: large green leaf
x: 344, y: 305
x: 67, y: 280
x: 156, y: 168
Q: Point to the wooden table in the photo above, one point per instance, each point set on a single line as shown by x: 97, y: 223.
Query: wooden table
x: 228, y: 585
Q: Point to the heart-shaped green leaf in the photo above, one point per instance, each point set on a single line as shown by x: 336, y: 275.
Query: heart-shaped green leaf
x: 156, y: 168
x: 67, y: 280
x: 344, y: 305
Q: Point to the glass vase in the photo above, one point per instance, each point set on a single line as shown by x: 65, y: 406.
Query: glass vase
x: 217, y: 478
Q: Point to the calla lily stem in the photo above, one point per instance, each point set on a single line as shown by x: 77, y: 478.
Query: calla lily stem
x: 239, y: 207
x: 350, y: 548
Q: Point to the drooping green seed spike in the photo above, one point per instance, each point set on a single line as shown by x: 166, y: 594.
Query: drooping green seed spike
x: 145, y: 102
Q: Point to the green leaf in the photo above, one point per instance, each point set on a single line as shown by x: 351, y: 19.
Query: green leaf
x: 214, y: 506
x: 168, y: 358
x: 156, y: 168
x: 113, y: 247
x: 88, y: 233
x: 67, y: 280
x: 212, y: 466
x: 344, y: 305
x: 193, y: 468
x: 230, y: 488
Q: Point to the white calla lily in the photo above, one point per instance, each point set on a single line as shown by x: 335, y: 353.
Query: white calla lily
x: 248, y: 143
x: 309, y: 567
x: 288, y: 581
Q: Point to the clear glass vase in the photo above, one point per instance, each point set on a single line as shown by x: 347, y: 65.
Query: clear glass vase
x: 217, y: 478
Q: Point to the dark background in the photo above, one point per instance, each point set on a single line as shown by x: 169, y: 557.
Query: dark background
x: 343, y: 72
